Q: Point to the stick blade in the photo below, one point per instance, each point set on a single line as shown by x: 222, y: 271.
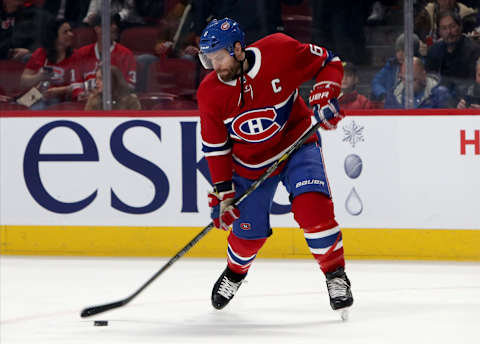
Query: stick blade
x: 87, y: 312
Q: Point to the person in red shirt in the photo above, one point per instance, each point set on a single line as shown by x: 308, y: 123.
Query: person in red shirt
x: 350, y: 98
x: 52, y: 68
x: 90, y: 58
x: 250, y: 114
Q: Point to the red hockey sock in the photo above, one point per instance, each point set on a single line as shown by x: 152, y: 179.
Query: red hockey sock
x: 242, y: 252
x: 314, y: 213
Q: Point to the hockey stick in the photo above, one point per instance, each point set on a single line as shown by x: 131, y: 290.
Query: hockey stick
x: 103, y: 308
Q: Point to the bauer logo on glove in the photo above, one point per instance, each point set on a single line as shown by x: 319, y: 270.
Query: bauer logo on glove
x: 326, y: 109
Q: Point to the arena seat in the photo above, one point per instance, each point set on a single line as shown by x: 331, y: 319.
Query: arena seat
x: 12, y: 107
x: 83, y: 36
x: 65, y: 106
x: 299, y: 27
x: 173, y: 75
x: 140, y: 40
x: 10, y: 73
x: 176, y: 104
x: 303, y: 9
x: 150, y: 100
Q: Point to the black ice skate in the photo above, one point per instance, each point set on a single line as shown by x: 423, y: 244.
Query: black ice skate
x: 225, y: 288
x: 338, y: 286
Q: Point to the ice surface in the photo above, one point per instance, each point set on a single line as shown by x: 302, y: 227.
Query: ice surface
x: 284, y: 301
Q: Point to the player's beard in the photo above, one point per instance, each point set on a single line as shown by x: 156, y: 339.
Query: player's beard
x: 229, y: 74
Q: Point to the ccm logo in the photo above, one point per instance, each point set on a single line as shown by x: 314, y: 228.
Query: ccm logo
x: 475, y: 142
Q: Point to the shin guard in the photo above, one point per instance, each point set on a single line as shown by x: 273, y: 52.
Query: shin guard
x: 242, y: 252
x: 314, y: 213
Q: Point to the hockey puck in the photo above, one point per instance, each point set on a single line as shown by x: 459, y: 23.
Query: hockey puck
x: 100, y: 323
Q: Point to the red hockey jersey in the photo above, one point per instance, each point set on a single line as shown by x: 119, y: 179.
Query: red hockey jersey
x: 249, y: 139
x: 63, y: 72
x: 89, y: 60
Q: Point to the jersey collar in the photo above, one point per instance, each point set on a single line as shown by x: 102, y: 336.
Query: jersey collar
x: 97, y: 53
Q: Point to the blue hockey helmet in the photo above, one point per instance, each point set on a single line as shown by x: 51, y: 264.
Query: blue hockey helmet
x: 220, y: 34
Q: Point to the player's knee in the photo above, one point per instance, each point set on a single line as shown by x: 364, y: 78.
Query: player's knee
x: 245, y: 246
x: 313, y: 209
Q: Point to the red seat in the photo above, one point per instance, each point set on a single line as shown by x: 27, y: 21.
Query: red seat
x: 176, y: 104
x: 83, y: 36
x: 64, y: 106
x: 12, y: 107
x: 10, y: 73
x: 303, y: 9
x: 150, y: 100
x: 140, y: 40
x: 299, y: 27
x: 177, y: 76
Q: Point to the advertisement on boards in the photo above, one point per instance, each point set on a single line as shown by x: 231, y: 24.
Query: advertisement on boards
x: 384, y: 172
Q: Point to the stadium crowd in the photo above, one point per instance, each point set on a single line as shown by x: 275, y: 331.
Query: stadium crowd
x: 50, y: 50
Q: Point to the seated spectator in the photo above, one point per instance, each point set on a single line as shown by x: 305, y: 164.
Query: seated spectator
x: 454, y: 57
x: 122, y: 98
x: 431, y: 14
x: 125, y: 10
x: 427, y: 91
x: 52, y: 69
x: 187, y: 44
x: 20, y: 29
x: 350, y: 98
x: 471, y: 97
x: 385, y: 79
x: 89, y: 58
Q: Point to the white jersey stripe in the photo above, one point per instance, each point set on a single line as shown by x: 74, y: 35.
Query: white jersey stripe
x: 322, y: 234
x: 224, y: 152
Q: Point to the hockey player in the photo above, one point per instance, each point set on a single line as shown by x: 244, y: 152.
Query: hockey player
x: 250, y: 114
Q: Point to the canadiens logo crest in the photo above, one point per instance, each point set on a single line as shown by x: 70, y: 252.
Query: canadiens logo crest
x: 245, y: 226
x: 256, y: 125
x: 225, y: 26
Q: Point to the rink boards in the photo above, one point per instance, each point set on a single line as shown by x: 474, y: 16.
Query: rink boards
x: 405, y: 185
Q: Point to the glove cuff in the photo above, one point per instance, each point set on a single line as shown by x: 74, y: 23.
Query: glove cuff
x: 223, y: 186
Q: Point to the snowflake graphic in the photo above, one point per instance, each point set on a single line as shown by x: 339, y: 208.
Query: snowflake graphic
x: 353, y: 133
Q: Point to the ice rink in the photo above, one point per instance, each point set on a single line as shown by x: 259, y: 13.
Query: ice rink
x: 284, y: 301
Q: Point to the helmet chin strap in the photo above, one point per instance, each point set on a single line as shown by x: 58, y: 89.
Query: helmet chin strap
x: 241, y: 62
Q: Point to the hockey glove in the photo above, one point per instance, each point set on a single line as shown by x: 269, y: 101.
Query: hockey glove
x: 323, y: 99
x: 220, y: 200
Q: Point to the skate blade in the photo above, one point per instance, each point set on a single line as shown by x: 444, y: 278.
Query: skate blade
x: 344, y: 313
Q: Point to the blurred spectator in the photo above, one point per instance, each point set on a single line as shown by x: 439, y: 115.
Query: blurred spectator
x: 350, y: 98
x: 379, y: 10
x: 471, y: 98
x: 454, y: 57
x: 427, y: 91
x: 339, y: 26
x: 89, y: 57
x: 258, y: 18
x: 126, y: 10
x: 384, y: 80
x: 52, y: 69
x: 188, y: 42
x: 426, y: 21
x: 122, y: 98
x: 71, y: 10
x: 169, y: 43
x: 21, y: 29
